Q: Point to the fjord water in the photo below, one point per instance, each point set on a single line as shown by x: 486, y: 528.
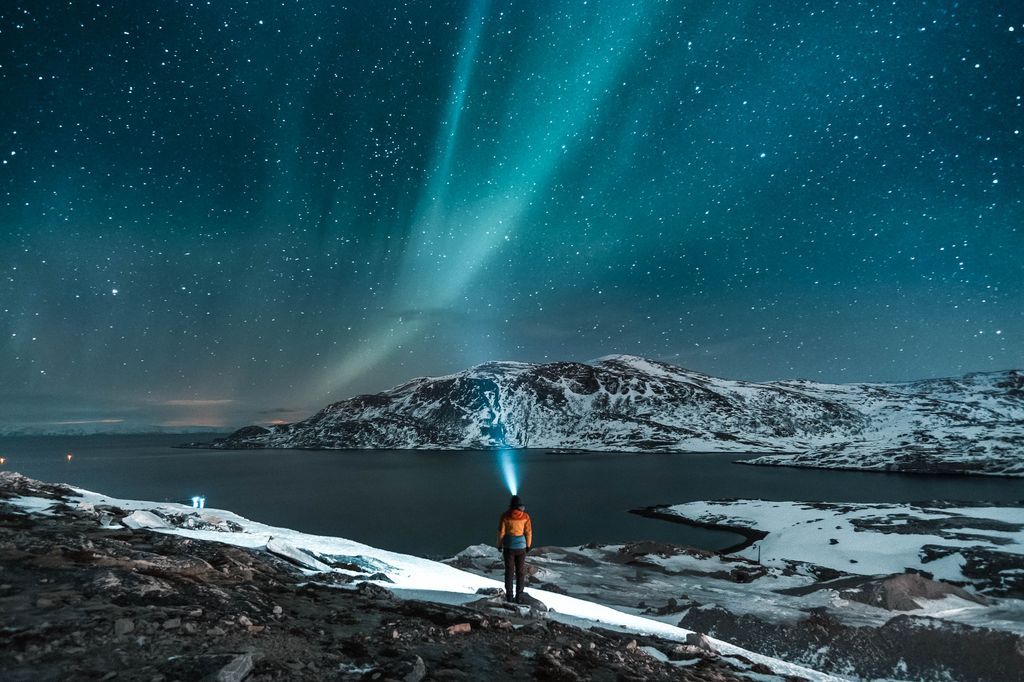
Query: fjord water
x: 436, y: 503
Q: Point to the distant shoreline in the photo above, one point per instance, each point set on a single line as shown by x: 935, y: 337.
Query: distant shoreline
x: 749, y: 535
x: 111, y: 434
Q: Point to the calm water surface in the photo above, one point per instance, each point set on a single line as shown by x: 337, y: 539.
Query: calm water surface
x: 436, y: 503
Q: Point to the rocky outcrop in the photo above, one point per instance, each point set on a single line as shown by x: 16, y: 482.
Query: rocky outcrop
x: 973, y: 424
x: 906, y: 647
x: 862, y: 626
x: 82, y: 596
x: 904, y: 592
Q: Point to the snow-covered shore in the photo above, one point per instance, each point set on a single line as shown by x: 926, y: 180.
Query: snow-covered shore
x: 891, y: 591
x: 967, y: 544
x: 320, y: 557
x: 840, y: 603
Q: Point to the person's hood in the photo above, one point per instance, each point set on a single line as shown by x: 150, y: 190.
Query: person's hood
x: 517, y: 513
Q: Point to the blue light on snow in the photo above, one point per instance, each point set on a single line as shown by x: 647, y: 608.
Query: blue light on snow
x: 508, y: 471
x: 198, y: 502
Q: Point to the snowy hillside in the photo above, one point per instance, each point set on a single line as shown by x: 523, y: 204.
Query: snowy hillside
x: 972, y: 424
x: 316, y: 565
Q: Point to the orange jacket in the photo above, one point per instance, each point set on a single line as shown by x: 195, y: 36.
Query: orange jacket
x: 515, y: 522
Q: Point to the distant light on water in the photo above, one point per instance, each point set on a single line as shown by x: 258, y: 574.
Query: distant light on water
x: 508, y: 471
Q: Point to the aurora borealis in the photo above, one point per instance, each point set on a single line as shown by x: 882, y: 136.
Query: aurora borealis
x: 218, y: 213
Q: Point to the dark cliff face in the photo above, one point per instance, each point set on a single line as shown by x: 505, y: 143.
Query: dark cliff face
x: 629, y: 403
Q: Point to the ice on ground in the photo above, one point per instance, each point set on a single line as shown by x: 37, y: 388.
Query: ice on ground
x: 34, y: 505
x: 869, y: 539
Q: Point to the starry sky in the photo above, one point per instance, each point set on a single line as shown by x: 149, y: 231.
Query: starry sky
x: 229, y: 212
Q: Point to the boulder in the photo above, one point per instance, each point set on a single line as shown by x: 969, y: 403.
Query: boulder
x: 906, y: 592
x: 293, y: 554
x: 141, y: 518
x: 418, y: 672
x: 237, y: 670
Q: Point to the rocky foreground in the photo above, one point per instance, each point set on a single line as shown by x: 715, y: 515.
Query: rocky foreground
x: 967, y: 425
x: 92, y: 591
x: 885, y: 623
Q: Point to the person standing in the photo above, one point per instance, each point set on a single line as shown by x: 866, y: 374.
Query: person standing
x: 515, y: 539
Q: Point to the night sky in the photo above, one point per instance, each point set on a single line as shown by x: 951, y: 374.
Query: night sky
x: 228, y: 212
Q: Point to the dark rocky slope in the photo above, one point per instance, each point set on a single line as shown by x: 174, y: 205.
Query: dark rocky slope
x: 860, y: 626
x: 85, y: 601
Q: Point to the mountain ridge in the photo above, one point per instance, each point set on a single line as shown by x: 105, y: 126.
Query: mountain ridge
x: 968, y: 424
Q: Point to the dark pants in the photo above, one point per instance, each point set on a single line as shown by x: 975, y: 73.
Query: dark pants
x: 515, y: 563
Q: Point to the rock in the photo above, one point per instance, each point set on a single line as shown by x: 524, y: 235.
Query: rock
x: 297, y: 556
x: 244, y: 621
x: 172, y: 623
x: 418, y: 672
x: 458, y: 628
x: 680, y: 652
x: 905, y: 647
x: 551, y: 587
x: 122, y: 626
x: 107, y: 582
x: 700, y: 641
x: 535, y: 605
x: 143, y: 519
x: 237, y: 670
x: 905, y: 592
x: 278, y: 610
x: 375, y: 591
x: 216, y: 632
x: 552, y: 668
x: 631, y: 645
x: 491, y: 591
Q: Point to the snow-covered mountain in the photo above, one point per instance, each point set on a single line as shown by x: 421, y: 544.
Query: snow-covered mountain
x: 969, y: 424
